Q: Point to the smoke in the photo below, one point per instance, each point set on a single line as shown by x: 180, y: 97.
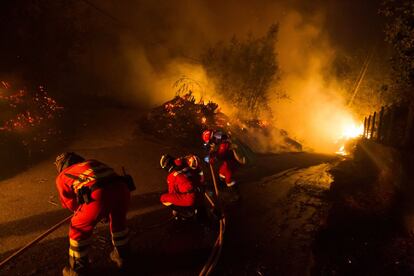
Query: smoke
x: 316, y: 114
x: 171, y: 35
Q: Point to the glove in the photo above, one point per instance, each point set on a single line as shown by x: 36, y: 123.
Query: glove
x: 207, y: 159
x: 212, y: 147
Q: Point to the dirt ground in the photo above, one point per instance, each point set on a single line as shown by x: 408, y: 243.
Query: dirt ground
x: 270, y: 229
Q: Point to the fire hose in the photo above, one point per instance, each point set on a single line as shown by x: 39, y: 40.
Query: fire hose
x: 216, y: 251
x: 36, y: 240
x: 206, y: 270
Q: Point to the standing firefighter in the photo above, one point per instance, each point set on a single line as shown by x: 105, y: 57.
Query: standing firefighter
x: 182, y: 182
x: 93, y: 191
x: 220, y: 148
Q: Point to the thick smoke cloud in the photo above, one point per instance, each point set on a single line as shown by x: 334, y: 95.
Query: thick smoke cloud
x: 164, y: 39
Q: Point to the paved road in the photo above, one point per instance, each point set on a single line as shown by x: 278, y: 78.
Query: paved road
x: 274, y: 190
x: 271, y: 230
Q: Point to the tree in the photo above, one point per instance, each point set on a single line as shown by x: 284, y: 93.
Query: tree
x: 399, y: 33
x: 243, y: 71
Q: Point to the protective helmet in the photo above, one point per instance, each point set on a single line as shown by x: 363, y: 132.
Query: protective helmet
x: 167, y: 162
x: 193, y: 161
x: 67, y: 159
x: 207, y: 135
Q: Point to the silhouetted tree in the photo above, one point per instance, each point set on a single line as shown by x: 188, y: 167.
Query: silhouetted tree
x: 400, y: 34
x: 244, y: 70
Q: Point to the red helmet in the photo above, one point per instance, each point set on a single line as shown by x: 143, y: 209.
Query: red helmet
x: 207, y: 135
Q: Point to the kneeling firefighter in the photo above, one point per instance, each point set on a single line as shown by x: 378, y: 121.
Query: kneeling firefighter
x: 182, y: 186
x: 191, y: 166
x: 93, y: 191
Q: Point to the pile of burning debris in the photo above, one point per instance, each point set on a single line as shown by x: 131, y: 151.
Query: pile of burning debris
x: 183, y: 119
x: 26, y: 121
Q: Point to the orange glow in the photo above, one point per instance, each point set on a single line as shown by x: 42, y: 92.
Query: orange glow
x: 342, y: 151
x: 349, y: 131
x: 352, y: 130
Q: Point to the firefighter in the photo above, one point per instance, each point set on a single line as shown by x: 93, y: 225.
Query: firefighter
x: 220, y: 149
x: 93, y: 191
x: 181, y: 195
x: 192, y: 167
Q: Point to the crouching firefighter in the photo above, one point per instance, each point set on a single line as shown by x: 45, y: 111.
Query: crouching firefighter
x: 191, y: 166
x: 181, y: 195
x: 93, y: 191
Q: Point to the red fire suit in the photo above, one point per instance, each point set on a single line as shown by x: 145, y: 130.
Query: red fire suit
x: 228, y: 165
x: 109, y: 198
x: 180, y: 190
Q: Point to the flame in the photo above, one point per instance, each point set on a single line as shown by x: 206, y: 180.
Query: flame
x: 350, y: 131
x: 342, y: 151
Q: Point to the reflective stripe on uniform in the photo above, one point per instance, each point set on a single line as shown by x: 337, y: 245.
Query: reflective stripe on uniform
x: 92, y: 174
x: 78, y: 183
x: 80, y: 243
x: 221, y: 176
x: 79, y: 249
x: 120, y: 238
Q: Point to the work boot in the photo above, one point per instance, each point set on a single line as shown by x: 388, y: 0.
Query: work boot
x: 77, y: 267
x: 120, y: 256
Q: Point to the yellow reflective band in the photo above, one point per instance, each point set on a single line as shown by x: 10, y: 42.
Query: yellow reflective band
x: 120, y: 234
x: 120, y: 242
x: 77, y: 254
x: 167, y: 203
x: 222, y: 176
x: 87, y: 172
x: 80, y: 243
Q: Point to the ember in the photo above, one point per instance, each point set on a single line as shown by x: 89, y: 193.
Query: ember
x: 27, y: 125
x: 22, y: 110
x: 183, y: 119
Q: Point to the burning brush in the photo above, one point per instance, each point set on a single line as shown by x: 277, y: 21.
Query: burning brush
x: 27, y: 120
x: 182, y: 119
x: 350, y: 134
x: 22, y: 110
